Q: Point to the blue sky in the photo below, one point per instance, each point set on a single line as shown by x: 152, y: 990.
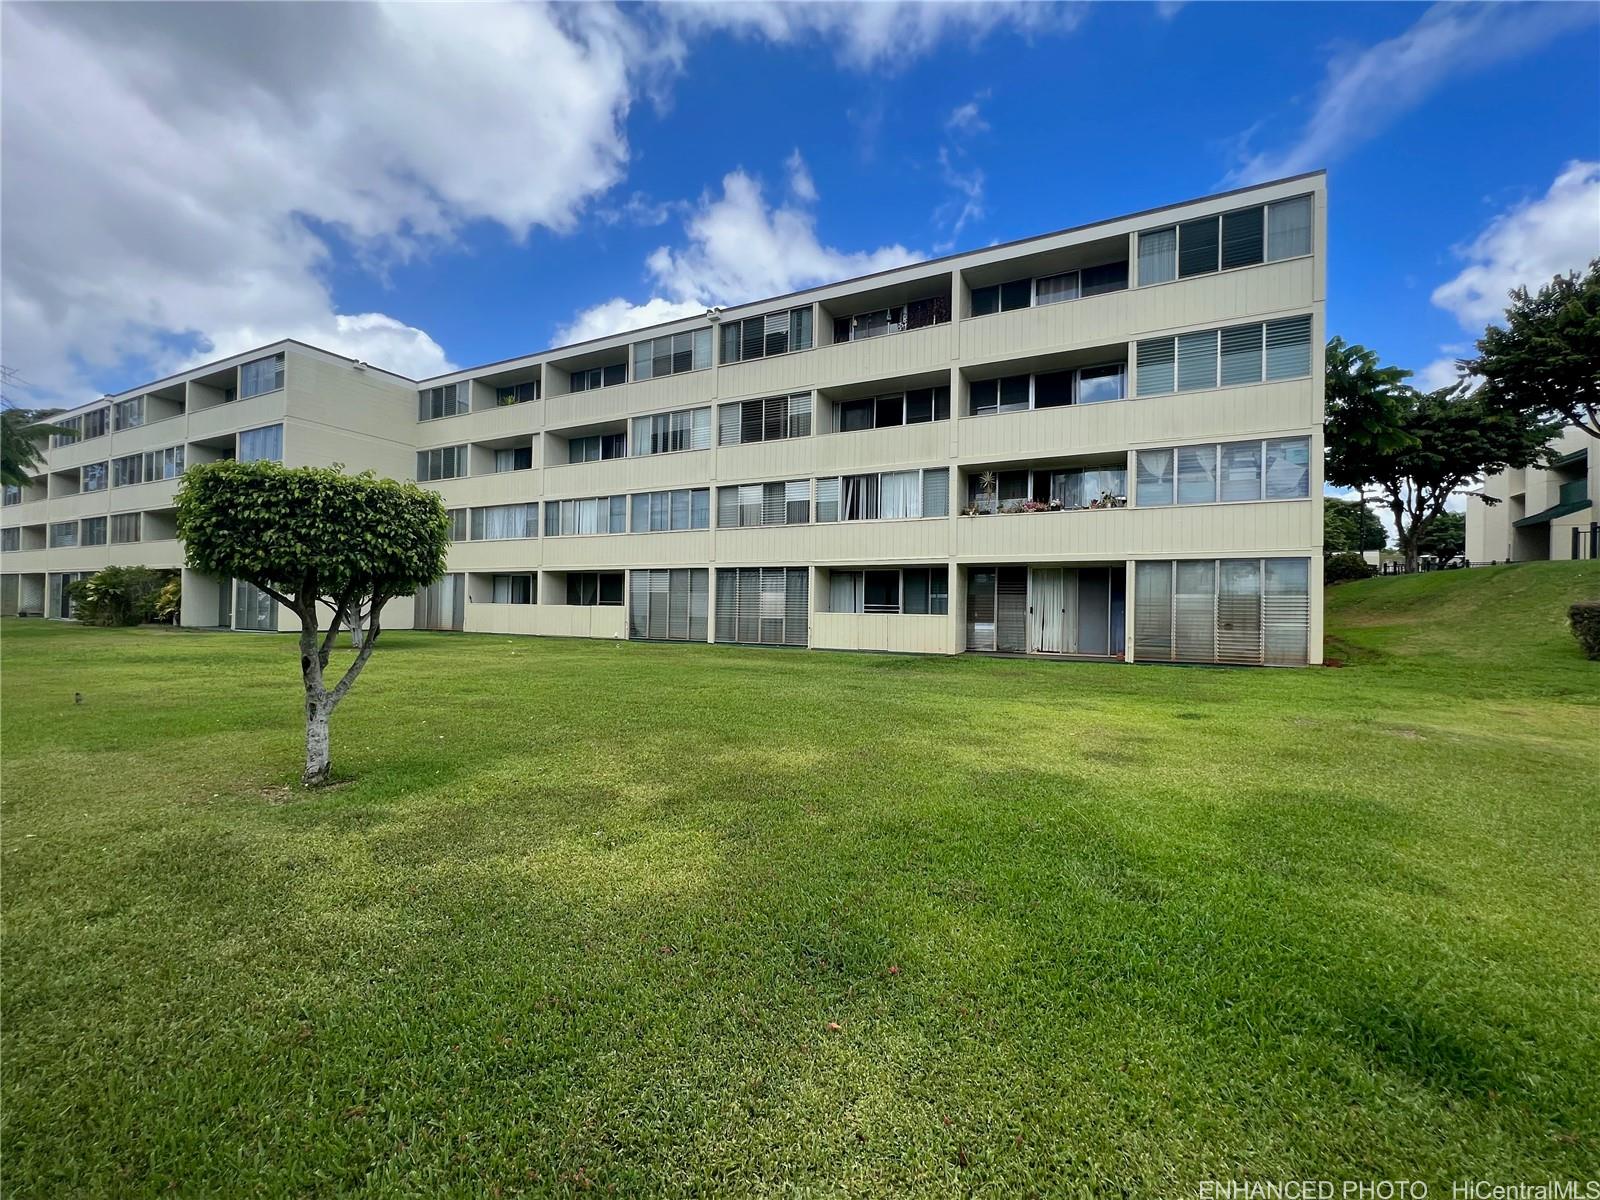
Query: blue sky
x: 446, y: 210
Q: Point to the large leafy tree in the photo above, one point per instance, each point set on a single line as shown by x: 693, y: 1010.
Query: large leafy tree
x: 22, y: 435
x: 1364, y: 424
x: 1546, y: 359
x: 1454, y: 436
x: 1350, y: 527
x: 1446, y: 537
x: 315, y: 539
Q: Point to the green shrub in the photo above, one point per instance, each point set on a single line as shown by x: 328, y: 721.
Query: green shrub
x: 169, y: 600
x: 119, y: 595
x: 1585, y: 618
x: 1341, y: 568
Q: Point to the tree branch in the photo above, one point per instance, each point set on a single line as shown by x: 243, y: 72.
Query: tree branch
x: 367, y: 646
x: 344, y: 602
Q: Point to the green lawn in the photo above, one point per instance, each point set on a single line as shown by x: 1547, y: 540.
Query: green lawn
x: 665, y: 919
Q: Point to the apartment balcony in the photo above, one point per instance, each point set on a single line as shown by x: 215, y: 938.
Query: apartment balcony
x: 1098, y: 534
x: 158, y: 493
x: 1124, y: 316
x: 616, y: 476
x: 615, y: 550
x: 1215, y: 415
x: 224, y: 420
x: 896, y: 632
x: 690, y: 389
x: 498, y: 487
x: 152, y: 435
x: 921, y: 540
x: 75, y: 454
x: 495, y: 555
x: 837, y: 453
x: 549, y: 620
x: 167, y: 552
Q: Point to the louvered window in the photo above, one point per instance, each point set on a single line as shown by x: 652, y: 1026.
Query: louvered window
x: 261, y: 376
x: 1289, y: 347
x: 668, y: 605
x: 126, y: 527
x: 449, y: 400
x: 1197, y: 247
x: 1274, y: 469
x: 92, y: 532
x: 63, y: 533
x: 1241, y: 355
x: 670, y: 433
x: 1243, y: 237
x: 444, y: 462
x: 591, y: 379
x: 672, y: 354
x: 1242, y: 610
x: 769, y: 419
x: 763, y: 605
x: 1155, y: 359
x: 757, y: 504
x: 936, y: 492
x: 1197, y: 360
x: 662, y: 512
x: 128, y: 414
x: 766, y: 336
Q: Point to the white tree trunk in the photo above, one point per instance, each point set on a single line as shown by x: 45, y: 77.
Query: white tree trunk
x: 318, y: 763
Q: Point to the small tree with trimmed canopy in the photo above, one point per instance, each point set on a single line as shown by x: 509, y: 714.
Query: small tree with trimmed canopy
x: 314, y: 539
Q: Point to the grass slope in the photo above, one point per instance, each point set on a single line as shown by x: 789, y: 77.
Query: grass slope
x: 666, y: 919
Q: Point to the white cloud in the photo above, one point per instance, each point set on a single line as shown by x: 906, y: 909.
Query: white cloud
x: 1526, y: 246
x: 1440, y: 373
x: 967, y: 119
x: 801, y: 184
x: 618, y: 316
x: 968, y: 184
x: 882, y: 35
x: 1366, y: 90
x: 170, y: 183
x: 739, y: 248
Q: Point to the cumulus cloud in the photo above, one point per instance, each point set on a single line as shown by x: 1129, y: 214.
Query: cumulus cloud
x: 173, y: 185
x: 1526, y: 246
x: 738, y: 248
x: 877, y: 36
x: 1366, y: 90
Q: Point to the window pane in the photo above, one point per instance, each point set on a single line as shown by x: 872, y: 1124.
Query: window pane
x: 1158, y: 256
x: 1197, y: 360
x: 1241, y: 471
x: 1108, y: 277
x: 1288, y: 468
x: 1098, y: 384
x: 1197, y: 247
x: 1016, y: 294
x: 1052, y: 390
x: 1242, y: 235
x: 1289, y: 228
x: 1289, y: 348
x: 1155, y: 366
x: 1197, y: 474
x: 1014, y: 393
x: 1053, y: 289
x: 1154, y: 477
x: 985, y: 300
x: 1241, y: 355
x: 936, y: 492
x: 984, y: 396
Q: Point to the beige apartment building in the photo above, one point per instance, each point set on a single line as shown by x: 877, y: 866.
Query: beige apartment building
x: 1543, y: 512
x: 1102, y: 443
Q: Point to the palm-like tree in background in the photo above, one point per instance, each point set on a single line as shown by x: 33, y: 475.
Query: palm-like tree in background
x: 22, y: 433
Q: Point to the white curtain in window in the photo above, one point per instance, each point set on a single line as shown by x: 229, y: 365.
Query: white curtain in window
x: 506, y: 521
x: 1289, y: 228
x: 259, y: 444
x: 1158, y: 256
x: 844, y: 591
x: 901, y: 495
